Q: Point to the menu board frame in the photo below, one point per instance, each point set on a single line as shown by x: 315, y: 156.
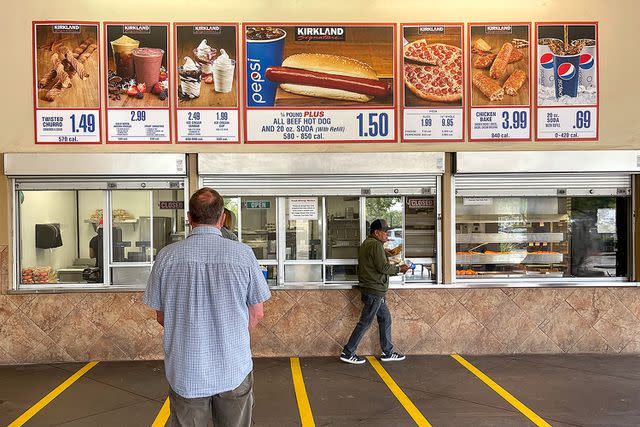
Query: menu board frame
x: 168, y: 54
x: 597, y: 65
x: 395, y: 107
x: 530, y: 107
x: 238, y: 75
x: 34, y: 82
x: 401, y: 89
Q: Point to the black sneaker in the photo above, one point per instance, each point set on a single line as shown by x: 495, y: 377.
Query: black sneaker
x: 393, y: 357
x: 353, y: 359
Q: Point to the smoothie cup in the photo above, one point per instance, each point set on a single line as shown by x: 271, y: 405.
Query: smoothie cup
x: 123, y: 57
x: 148, y: 62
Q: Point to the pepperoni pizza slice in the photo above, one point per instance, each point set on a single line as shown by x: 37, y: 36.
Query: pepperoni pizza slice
x: 433, y: 83
x: 431, y: 54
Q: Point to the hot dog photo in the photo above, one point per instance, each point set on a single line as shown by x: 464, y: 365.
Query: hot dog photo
x: 499, y: 65
x: 300, y: 66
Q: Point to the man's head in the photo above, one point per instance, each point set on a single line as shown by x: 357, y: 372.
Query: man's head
x: 206, y: 207
x: 378, y: 229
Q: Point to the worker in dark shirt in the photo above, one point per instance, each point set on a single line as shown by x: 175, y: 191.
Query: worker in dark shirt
x: 95, y: 249
x: 374, y: 270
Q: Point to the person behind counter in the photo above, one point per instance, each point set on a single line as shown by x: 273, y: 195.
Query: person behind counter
x: 374, y: 270
x: 208, y: 293
x: 229, y: 221
x: 95, y: 250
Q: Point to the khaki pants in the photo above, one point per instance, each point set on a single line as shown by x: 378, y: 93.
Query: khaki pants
x: 229, y: 409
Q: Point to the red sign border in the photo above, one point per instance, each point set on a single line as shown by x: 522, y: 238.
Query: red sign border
x: 319, y: 24
x: 174, y: 76
x: 469, y: 86
x: 34, y: 50
x: 464, y: 83
x: 105, y: 83
x: 537, y: 107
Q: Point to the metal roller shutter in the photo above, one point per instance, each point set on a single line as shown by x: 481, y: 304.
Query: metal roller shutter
x: 301, y: 185
x: 547, y: 184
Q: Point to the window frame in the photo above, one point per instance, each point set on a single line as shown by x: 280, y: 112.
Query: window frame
x: 107, y: 185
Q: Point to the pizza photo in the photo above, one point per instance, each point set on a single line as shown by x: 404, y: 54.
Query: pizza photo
x: 433, y: 71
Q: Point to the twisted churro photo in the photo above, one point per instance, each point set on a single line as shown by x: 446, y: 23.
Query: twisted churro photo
x: 66, y: 63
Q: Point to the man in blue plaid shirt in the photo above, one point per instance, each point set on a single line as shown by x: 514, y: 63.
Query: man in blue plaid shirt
x: 208, y: 293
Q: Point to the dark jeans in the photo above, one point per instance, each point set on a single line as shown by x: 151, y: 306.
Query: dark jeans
x: 229, y: 409
x: 374, y: 307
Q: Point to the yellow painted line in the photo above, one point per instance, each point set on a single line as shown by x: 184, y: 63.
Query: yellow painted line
x: 52, y: 395
x: 502, y: 392
x: 306, y: 417
x: 163, y: 415
x: 399, y: 394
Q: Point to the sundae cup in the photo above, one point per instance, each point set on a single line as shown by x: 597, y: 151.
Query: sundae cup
x: 205, y: 55
x: 223, y: 72
x: 189, y: 75
x: 123, y: 56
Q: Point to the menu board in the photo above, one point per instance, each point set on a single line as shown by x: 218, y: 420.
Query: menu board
x: 66, y: 88
x: 433, y: 76
x: 137, y: 83
x: 500, y: 84
x: 567, y: 98
x: 308, y: 83
x: 206, y: 82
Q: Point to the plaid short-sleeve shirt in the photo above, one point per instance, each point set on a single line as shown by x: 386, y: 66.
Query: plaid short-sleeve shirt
x: 204, y: 285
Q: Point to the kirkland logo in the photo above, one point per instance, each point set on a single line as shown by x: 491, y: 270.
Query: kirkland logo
x: 207, y: 29
x: 136, y: 29
x: 320, y: 34
x: 66, y: 28
x: 498, y: 29
x: 431, y: 30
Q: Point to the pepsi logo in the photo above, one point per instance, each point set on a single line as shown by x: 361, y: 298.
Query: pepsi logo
x: 586, y: 61
x: 566, y: 71
x: 255, y: 75
x: 546, y: 61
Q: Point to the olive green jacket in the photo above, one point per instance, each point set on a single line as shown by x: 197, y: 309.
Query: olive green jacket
x: 374, y: 268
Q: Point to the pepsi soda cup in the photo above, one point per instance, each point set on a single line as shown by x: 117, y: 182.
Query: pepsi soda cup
x: 565, y: 68
x: 546, y: 77
x: 587, y: 72
x: 264, y: 49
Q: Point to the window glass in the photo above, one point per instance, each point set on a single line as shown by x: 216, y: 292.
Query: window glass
x: 389, y: 209
x: 259, y: 226
x: 343, y: 227
x: 541, y: 236
x: 420, y: 237
x: 60, y: 236
x: 232, y: 204
x: 131, y: 220
x: 341, y: 273
x: 169, y: 217
x: 303, y: 273
x: 304, y: 228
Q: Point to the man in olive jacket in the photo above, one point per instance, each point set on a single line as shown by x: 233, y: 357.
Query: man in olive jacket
x: 373, y: 279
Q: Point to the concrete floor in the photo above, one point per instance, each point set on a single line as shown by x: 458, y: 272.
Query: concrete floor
x: 577, y: 390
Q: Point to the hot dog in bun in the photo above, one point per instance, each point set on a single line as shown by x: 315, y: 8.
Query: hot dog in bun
x: 328, y: 76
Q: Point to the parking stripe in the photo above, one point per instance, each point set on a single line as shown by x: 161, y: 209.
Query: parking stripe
x: 502, y: 392
x: 52, y: 395
x: 163, y: 415
x: 306, y: 417
x: 399, y: 394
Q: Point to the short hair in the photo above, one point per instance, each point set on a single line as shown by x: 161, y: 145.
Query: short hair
x: 206, y: 206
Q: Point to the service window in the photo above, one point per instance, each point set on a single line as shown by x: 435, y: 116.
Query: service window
x: 60, y: 236
x: 343, y: 238
x: 542, y: 237
x: 420, y: 238
x: 259, y: 226
x: 64, y: 239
